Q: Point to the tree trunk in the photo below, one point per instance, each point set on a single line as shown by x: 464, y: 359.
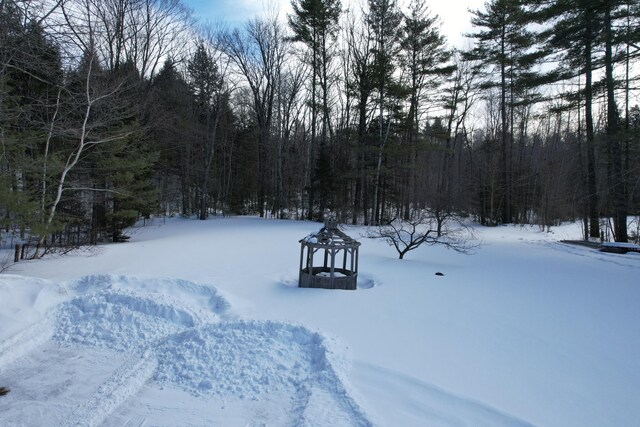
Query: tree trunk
x: 506, y: 200
x: 613, y: 138
x: 592, y: 192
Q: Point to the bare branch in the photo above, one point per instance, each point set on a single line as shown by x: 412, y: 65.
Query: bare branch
x: 408, y: 235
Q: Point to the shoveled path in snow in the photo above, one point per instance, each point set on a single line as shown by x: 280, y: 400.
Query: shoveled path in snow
x: 120, y: 342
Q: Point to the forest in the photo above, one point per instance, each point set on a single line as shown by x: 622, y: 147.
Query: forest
x: 112, y: 111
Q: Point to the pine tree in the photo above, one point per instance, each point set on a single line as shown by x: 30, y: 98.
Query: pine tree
x: 170, y: 119
x: 315, y: 23
x: 30, y: 78
x: 360, y: 84
x: 384, y: 19
x: 586, y: 33
x: 426, y: 61
x: 505, y: 50
x: 207, y: 88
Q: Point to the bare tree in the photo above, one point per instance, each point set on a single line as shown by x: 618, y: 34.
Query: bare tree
x: 258, y: 52
x: 458, y: 97
x: 290, y: 109
x: 360, y: 81
x: 407, y: 235
x: 88, y: 133
x: 143, y: 32
x: 210, y: 89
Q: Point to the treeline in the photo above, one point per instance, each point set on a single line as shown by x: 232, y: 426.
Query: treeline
x: 115, y: 109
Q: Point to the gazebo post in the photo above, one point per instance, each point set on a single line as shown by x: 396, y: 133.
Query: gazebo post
x: 333, y: 267
x: 301, y: 260
x: 354, y: 262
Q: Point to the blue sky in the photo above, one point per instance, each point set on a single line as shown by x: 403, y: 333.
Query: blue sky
x: 453, y: 13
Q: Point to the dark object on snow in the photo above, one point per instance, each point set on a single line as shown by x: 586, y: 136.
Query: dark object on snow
x: 610, y: 247
x: 619, y: 248
x: 614, y: 249
x: 4, y: 390
x: 439, y: 274
x: 330, y: 272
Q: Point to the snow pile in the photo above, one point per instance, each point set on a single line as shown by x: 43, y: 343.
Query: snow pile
x: 118, y: 320
x: 129, y: 314
x: 202, y: 298
x: 244, y: 359
x: 149, y: 334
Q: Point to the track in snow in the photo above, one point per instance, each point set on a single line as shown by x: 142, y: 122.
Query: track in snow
x: 121, y: 341
x: 25, y: 342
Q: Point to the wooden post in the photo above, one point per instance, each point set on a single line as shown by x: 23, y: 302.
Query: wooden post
x: 16, y: 256
x: 301, y: 258
x: 332, y: 272
x: 344, y: 259
x: 355, y: 269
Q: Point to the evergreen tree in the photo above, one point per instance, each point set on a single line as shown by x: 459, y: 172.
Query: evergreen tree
x: 360, y: 85
x: 586, y: 33
x: 426, y: 61
x: 505, y: 49
x: 207, y: 88
x: 573, y: 34
x: 384, y: 19
x: 170, y: 118
x: 315, y: 23
x: 30, y: 78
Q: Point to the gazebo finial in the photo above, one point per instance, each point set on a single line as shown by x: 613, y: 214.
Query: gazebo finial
x: 330, y: 222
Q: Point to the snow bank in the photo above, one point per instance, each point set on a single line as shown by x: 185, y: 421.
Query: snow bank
x: 242, y: 359
x: 129, y: 314
x: 258, y: 359
x: 25, y: 301
x: 179, y: 334
x: 118, y: 320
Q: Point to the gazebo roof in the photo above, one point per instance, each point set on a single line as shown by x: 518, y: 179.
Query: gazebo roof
x: 330, y: 236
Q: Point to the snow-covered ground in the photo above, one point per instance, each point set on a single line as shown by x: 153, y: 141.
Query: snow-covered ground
x: 196, y: 323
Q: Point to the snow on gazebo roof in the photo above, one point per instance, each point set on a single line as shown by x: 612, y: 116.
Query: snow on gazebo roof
x: 329, y: 235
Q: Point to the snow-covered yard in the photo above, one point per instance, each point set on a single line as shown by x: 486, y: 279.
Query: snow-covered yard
x: 196, y: 323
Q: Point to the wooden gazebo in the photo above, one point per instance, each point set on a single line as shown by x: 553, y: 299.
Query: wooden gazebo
x: 329, y: 259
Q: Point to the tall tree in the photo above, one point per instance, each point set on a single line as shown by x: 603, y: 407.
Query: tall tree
x: 385, y: 21
x: 426, y: 62
x: 360, y: 83
x: 573, y: 34
x: 618, y: 175
x: 587, y: 34
x: 315, y: 23
x: 505, y: 49
x: 259, y: 53
x: 30, y: 81
x: 207, y: 86
x: 171, y: 121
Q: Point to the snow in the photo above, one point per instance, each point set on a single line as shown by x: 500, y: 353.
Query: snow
x: 184, y: 325
x: 621, y: 245
x: 328, y: 274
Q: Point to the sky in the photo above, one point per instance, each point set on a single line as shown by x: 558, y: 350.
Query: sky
x: 453, y: 13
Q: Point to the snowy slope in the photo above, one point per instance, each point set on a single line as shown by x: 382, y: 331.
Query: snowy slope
x: 201, y: 323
